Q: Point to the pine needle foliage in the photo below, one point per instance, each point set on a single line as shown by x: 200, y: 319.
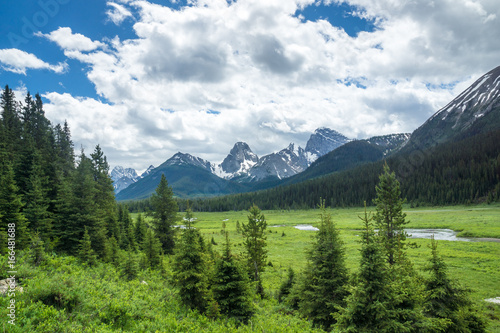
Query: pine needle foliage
x: 326, y: 277
x: 447, y: 299
x: 369, y: 308
x: 255, y: 242
x: 231, y: 287
x: 190, y: 268
x: 164, y: 215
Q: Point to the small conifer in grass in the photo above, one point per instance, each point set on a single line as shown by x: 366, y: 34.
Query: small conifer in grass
x: 286, y: 287
x: 446, y: 299
x: 325, y: 282
x: 164, y: 215
x: 231, y: 287
x: 255, y: 244
x: 190, y: 267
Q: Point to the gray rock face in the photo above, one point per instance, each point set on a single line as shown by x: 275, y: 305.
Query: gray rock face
x: 187, y: 159
x: 390, y: 143
x: 240, y: 159
x: 477, y: 108
x: 285, y: 163
x: 323, y: 141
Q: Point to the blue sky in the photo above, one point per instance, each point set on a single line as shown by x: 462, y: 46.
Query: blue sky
x: 146, y: 79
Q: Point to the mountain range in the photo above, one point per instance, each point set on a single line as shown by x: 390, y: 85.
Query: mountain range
x: 474, y: 111
x: 242, y: 170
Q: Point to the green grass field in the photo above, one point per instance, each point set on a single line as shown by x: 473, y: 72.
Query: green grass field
x: 474, y: 264
x: 62, y: 295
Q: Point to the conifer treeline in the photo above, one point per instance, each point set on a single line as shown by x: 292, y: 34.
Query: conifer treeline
x: 53, y: 198
x: 461, y: 172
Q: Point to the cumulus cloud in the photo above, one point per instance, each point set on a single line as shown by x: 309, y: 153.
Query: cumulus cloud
x: 18, y: 61
x: 271, y: 76
x: 66, y: 39
x: 118, y: 13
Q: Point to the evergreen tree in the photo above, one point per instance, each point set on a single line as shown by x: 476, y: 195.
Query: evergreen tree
x: 446, y: 299
x: 370, y: 308
x: 12, y: 125
x: 230, y: 287
x: 36, y: 210
x: 190, y: 268
x: 286, y: 287
x: 152, y: 249
x: 130, y: 265
x: 326, y: 276
x: 140, y: 230
x: 164, y: 215
x: 255, y: 242
x: 10, y: 208
x: 389, y: 217
x: 85, y: 251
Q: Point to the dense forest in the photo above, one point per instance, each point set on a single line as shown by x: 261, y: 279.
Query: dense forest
x: 59, y: 217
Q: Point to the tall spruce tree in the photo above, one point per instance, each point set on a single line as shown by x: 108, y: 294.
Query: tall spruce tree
x: 255, y: 244
x: 191, y: 267
x: 326, y: 276
x: 164, y: 215
x: 405, y: 283
x: 231, y: 287
x: 446, y: 299
x: 389, y: 217
x: 10, y: 208
x: 370, y: 308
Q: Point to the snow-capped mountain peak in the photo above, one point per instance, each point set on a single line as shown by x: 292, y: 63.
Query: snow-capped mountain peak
x: 240, y: 159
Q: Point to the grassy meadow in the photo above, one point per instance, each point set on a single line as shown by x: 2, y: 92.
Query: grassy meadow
x: 62, y: 295
x: 474, y: 264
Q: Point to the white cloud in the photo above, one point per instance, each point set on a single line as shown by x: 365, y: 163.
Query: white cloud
x: 18, y: 61
x: 67, y: 40
x: 118, y: 13
x: 273, y: 77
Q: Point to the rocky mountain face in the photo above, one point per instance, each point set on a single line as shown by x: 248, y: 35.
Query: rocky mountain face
x: 243, y: 165
x: 239, y: 161
x: 124, y: 177
x: 389, y: 143
x: 473, y: 111
x: 323, y: 141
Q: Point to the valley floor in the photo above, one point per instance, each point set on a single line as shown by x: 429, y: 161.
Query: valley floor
x: 61, y: 295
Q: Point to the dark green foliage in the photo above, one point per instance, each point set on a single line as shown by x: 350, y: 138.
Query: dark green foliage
x: 85, y: 251
x: 130, y: 267
x: 370, y: 308
x: 140, y: 230
x: 450, y: 173
x: 10, y: 208
x: 389, y: 217
x: 37, y: 201
x: 446, y: 299
x: 286, y: 287
x: 152, y: 249
x: 164, y: 215
x: 190, y: 269
x: 255, y: 242
x: 231, y: 287
x: 326, y: 276
x: 37, y: 250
